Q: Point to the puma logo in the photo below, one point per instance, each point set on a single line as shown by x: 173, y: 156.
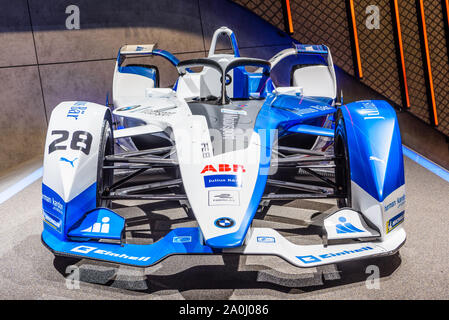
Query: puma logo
x: 67, y: 160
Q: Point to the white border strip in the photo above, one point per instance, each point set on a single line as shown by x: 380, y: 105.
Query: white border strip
x: 426, y: 163
x: 20, y: 185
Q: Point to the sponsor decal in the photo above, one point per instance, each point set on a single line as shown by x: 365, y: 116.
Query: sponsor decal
x: 224, y: 222
x: 157, y: 113
x: 53, y: 209
x: 222, y: 180
x: 399, y: 202
x: 99, y: 227
x: 346, y: 227
x: 229, y: 111
x: 322, y: 257
x: 264, y: 239
x: 129, y: 108
x: 83, y: 249
x: 369, y: 111
x: 308, y: 110
x: 182, y: 239
x: 205, y: 150
x: 321, y: 107
x: 76, y: 110
x: 63, y: 159
x: 52, y: 221
x: 46, y: 198
x: 395, y: 221
x: 139, y: 48
x: 88, y: 249
x: 228, y: 126
x: 223, y: 168
x: 224, y: 198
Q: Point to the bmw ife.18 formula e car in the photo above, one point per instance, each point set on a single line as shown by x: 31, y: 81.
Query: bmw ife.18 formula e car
x: 225, y: 143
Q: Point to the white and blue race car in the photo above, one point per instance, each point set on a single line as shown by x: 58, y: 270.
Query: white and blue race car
x: 224, y: 142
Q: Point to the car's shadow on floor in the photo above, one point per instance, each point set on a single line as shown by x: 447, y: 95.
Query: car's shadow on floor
x: 220, y: 281
x: 219, y: 277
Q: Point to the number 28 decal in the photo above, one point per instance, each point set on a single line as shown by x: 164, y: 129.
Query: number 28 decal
x: 81, y: 140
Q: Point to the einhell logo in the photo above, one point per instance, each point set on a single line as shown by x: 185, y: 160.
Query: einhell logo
x: 224, y: 168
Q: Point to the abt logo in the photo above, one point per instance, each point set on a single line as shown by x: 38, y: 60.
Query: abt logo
x: 224, y: 168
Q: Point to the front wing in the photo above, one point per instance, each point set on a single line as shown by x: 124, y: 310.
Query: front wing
x: 262, y: 241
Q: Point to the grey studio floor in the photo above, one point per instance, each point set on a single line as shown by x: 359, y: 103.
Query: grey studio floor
x: 419, y: 271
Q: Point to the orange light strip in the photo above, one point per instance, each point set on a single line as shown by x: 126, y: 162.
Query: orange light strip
x: 356, y: 39
x: 447, y: 11
x: 401, y: 52
x: 429, y: 68
x: 289, y: 17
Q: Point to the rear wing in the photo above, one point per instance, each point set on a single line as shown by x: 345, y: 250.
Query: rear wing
x: 311, y: 49
x: 313, y: 71
x: 131, y: 49
x: 308, y: 53
x: 144, y: 49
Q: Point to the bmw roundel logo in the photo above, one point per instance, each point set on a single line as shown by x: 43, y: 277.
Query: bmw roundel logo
x: 224, y: 222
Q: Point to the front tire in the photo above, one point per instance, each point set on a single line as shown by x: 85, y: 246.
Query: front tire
x: 105, y: 177
x: 342, y: 169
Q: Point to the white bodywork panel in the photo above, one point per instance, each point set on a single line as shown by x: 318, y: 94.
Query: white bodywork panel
x: 205, y: 83
x: 78, y: 171
x: 316, y: 81
x: 347, y: 224
x: 378, y: 213
x: 126, y: 87
x: 135, y: 131
x: 192, y: 137
x: 265, y: 241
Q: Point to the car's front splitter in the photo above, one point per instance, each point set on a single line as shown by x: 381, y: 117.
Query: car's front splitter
x: 261, y: 241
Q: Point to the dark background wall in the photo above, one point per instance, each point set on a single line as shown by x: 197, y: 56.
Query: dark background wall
x: 42, y: 63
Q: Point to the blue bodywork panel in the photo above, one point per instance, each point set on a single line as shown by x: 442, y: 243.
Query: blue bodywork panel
x: 178, y: 241
x: 141, y: 71
x: 101, y: 223
x: 247, y: 84
x: 65, y: 215
x: 311, y: 49
x: 304, y: 108
x: 278, y: 112
x: 144, y: 71
x: 312, y: 130
x: 375, y: 147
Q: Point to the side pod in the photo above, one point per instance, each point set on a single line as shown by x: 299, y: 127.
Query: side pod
x: 370, y: 132
x: 71, y: 158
